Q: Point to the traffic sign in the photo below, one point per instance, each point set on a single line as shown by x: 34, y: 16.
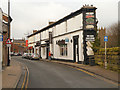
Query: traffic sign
x: 1, y: 37
x: 105, y: 38
x: 8, y: 41
x: 8, y: 45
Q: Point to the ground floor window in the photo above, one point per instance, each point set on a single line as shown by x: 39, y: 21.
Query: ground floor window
x: 63, y: 50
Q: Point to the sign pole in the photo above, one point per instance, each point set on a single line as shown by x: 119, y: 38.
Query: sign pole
x: 105, y: 55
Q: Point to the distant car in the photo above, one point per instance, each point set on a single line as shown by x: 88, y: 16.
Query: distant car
x: 30, y: 55
x: 12, y: 54
x: 25, y: 55
x: 19, y: 54
x: 15, y: 54
x: 34, y: 57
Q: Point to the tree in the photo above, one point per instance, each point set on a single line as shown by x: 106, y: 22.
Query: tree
x: 112, y: 33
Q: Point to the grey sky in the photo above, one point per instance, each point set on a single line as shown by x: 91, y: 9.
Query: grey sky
x: 34, y: 14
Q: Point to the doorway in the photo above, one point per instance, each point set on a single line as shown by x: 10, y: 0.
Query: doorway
x: 75, y: 48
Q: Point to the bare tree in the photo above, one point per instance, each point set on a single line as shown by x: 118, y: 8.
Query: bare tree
x: 112, y: 33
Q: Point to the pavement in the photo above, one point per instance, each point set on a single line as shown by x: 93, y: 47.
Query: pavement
x: 11, y: 74
x: 96, y: 70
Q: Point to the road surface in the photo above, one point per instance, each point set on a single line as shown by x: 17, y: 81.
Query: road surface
x: 53, y: 75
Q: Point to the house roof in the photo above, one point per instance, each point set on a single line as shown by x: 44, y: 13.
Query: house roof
x: 65, y: 18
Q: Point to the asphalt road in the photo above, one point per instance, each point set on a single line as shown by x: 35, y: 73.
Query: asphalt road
x: 53, y: 75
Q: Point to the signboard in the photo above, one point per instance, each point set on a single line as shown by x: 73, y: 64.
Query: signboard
x: 1, y: 37
x: 8, y: 45
x: 105, y: 38
x: 90, y: 38
x: 66, y: 40
x: 8, y: 41
x: 89, y: 20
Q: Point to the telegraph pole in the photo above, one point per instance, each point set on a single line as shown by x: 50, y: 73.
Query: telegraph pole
x: 8, y: 64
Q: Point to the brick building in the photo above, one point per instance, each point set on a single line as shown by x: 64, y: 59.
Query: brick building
x: 18, y: 46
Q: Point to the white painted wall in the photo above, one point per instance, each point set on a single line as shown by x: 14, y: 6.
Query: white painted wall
x: 0, y: 50
x: 31, y: 39
x: 70, y: 25
x: 37, y: 37
x: 74, y: 23
x: 1, y: 34
x: 69, y: 46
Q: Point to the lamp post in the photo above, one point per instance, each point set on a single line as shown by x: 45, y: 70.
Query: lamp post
x: 8, y: 64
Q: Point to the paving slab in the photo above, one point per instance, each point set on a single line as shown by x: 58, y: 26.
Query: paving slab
x: 11, y: 75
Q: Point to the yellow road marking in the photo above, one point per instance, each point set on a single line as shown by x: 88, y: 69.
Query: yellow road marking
x: 24, y: 80
x: 85, y: 72
x: 27, y: 78
x: 96, y: 76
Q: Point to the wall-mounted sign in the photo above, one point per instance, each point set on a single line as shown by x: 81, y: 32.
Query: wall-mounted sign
x: 66, y: 40
x: 1, y: 37
x: 26, y: 43
x: 90, y: 38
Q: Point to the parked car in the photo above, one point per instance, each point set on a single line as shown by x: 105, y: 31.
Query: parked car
x: 25, y: 55
x: 34, y: 57
x: 12, y: 54
x: 19, y: 54
x: 15, y: 54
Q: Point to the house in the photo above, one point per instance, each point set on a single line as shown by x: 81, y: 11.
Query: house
x: 67, y: 39
x: 4, y: 33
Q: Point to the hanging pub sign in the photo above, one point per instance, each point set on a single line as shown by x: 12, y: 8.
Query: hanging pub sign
x: 90, y: 20
x: 90, y: 38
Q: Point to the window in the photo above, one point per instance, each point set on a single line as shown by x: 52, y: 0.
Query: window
x: 63, y: 50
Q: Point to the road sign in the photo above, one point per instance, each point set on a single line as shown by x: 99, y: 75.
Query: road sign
x: 105, y: 38
x: 8, y: 45
x: 1, y: 37
x: 8, y: 41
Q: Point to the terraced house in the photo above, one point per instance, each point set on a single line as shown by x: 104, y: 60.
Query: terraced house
x: 67, y: 39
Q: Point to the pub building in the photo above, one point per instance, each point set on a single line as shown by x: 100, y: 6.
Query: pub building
x: 68, y: 39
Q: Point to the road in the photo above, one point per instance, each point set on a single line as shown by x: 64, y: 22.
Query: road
x: 53, y: 75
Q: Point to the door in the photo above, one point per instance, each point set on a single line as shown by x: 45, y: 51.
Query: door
x: 47, y: 52
x: 75, y: 48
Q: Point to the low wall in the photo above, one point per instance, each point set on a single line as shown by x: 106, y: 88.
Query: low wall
x: 113, y: 58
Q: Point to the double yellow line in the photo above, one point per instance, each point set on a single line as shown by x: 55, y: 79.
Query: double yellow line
x: 26, y: 79
x: 109, y: 81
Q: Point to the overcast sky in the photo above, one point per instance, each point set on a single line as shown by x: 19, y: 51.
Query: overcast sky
x: 31, y: 15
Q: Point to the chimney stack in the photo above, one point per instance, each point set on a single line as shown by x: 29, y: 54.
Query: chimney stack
x: 34, y: 31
